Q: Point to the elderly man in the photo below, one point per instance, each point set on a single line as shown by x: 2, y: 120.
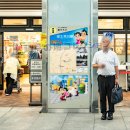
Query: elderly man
x: 106, y: 62
x: 10, y: 72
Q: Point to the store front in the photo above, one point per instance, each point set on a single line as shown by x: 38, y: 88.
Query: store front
x: 17, y: 34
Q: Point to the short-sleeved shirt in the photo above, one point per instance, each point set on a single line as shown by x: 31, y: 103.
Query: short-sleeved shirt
x: 33, y: 54
x: 110, y: 60
x: 11, y: 66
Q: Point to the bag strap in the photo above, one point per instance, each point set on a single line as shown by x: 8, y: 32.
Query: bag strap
x: 117, y: 85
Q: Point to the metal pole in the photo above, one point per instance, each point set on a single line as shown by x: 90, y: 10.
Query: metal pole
x: 30, y: 93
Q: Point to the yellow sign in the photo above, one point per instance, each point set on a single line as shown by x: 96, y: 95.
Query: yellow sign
x: 43, y: 42
x: 53, y: 30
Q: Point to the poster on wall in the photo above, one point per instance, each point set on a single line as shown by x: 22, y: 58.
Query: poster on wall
x: 64, y: 36
x: 67, y: 87
x: 68, y: 64
x: 68, y: 60
x: 68, y: 50
x: 63, y: 60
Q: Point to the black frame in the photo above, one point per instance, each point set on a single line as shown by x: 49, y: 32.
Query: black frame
x: 20, y: 28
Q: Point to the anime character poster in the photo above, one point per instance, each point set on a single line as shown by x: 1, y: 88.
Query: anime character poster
x: 67, y: 87
x: 66, y: 37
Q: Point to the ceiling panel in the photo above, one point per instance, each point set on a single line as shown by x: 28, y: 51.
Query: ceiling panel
x: 37, y: 4
x: 114, y: 4
x: 20, y: 4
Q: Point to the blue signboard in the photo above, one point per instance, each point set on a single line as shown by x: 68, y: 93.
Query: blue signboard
x: 70, y: 38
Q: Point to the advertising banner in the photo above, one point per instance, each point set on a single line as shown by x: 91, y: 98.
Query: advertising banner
x: 65, y: 36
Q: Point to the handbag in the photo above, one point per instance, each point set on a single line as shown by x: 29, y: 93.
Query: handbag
x: 117, y: 94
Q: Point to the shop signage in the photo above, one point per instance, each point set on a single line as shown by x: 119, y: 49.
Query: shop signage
x: 36, y: 71
x: 43, y: 42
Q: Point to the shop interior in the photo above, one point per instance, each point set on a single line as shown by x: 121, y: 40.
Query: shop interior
x: 18, y: 43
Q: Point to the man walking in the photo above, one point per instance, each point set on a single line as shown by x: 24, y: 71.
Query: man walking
x: 106, y: 61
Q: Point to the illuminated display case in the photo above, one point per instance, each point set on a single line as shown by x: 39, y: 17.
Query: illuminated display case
x: 120, y: 46
x: 128, y: 51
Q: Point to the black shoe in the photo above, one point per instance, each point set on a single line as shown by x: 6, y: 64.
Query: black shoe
x: 103, y: 117
x: 110, y: 116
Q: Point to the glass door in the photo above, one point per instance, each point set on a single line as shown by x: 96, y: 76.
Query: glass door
x: 1, y: 61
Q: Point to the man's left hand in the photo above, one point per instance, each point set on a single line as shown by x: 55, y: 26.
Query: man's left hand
x: 116, y: 81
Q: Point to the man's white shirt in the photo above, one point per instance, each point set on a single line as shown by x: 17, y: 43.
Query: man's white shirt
x: 109, y: 59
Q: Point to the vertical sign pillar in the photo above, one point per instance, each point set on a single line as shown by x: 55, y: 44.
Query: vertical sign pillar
x: 67, y: 78
x: 94, y: 40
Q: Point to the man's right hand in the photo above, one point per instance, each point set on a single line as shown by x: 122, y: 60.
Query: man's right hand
x: 101, y: 66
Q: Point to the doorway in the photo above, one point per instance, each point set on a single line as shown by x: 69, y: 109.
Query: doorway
x: 18, y: 43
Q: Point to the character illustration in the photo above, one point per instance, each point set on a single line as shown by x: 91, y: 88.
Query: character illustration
x: 81, y: 37
x: 69, y: 92
x: 77, y: 36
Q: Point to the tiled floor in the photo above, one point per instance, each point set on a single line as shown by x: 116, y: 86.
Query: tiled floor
x: 29, y: 118
x: 21, y: 99
x: 126, y: 100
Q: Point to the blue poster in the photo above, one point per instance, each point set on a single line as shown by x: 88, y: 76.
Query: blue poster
x: 75, y: 37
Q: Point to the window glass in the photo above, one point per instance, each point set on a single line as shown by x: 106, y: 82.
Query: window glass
x: 37, y: 21
x: 110, y: 23
x: 14, y: 21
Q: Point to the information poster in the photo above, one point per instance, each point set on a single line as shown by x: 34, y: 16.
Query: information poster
x: 63, y: 60
x: 68, y: 50
x: 36, y: 71
x: 68, y: 64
